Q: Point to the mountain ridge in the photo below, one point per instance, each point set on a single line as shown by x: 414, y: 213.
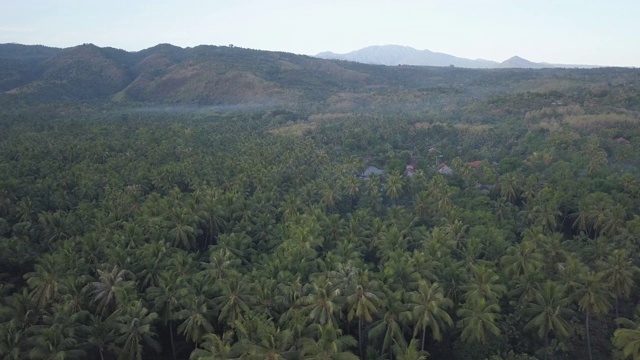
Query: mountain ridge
x: 392, y: 55
x: 225, y: 75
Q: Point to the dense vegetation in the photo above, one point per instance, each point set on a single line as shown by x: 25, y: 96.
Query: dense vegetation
x: 132, y: 227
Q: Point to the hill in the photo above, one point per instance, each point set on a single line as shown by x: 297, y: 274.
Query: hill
x: 221, y: 75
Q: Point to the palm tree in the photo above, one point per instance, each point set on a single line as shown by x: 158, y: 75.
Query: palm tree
x: 166, y: 299
x: 183, y: 230
x: 136, y: 330
x: 428, y: 306
x: 389, y: 328
x: 394, y: 186
x: 627, y: 338
x: 330, y: 195
x: 478, y: 320
x: 106, y: 289
x: 101, y: 333
x: 11, y: 340
x: 213, y: 347
x: 195, y: 314
x: 362, y: 304
x: 329, y: 344
x: 45, y: 282
x: 320, y: 301
x: 522, y: 259
x: 232, y: 304
x: 264, y: 342
x: 484, y: 285
x: 411, y: 352
x: 593, y: 299
x: 549, y: 309
x: 619, y: 271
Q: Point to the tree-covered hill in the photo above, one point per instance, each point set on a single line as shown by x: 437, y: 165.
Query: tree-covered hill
x: 221, y: 75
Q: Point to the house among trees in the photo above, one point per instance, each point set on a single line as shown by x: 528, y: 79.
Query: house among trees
x: 409, y: 170
x: 371, y: 170
x: 475, y: 164
x: 621, y: 140
x: 444, y: 169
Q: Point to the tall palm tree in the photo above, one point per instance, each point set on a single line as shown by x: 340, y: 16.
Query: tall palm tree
x: 394, y: 186
x: 106, y: 289
x: 619, y: 271
x: 522, y: 259
x: 484, y: 284
x: 265, y: 342
x: 550, y: 310
x: 478, y: 320
x: 46, y: 282
x: 411, y: 352
x: 166, y: 300
x: 232, y: 304
x: 627, y: 338
x: 329, y: 344
x: 320, y: 303
x: 390, y: 329
x: 428, y: 310
x: 213, y: 347
x: 593, y: 299
x: 195, y: 314
x: 135, y: 331
x: 362, y: 304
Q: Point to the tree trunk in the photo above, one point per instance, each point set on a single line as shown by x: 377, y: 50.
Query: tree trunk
x: 424, y: 330
x: 101, y: 356
x: 360, y: 338
x: 173, y: 349
x: 617, y: 307
x: 546, y: 346
x: 588, y: 337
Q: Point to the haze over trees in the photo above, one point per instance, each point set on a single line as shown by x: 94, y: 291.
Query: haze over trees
x: 208, y: 203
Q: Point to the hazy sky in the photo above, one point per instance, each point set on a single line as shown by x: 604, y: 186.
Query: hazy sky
x: 599, y: 32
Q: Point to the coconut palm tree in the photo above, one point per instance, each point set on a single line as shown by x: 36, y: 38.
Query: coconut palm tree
x: 390, y: 329
x: 320, y: 303
x: 213, y: 347
x: 549, y: 310
x: 232, y: 304
x: 478, y: 320
x: 363, y: 304
x: 136, y: 330
x: 627, y: 338
x: 166, y: 301
x: 195, y: 313
x: 619, y: 271
x: 328, y: 343
x: 107, y: 287
x: 428, y: 310
x: 593, y: 298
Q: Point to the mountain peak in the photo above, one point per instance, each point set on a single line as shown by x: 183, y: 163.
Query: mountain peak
x: 519, y: 62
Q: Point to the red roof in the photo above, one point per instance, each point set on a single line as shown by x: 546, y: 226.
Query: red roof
x: 475, y: 163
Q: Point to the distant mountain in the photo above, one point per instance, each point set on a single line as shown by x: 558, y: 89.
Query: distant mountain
x: 405, y: 55
x: 517, y: 62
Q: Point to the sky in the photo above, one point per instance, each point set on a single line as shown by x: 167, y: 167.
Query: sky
x: 591, y: 32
